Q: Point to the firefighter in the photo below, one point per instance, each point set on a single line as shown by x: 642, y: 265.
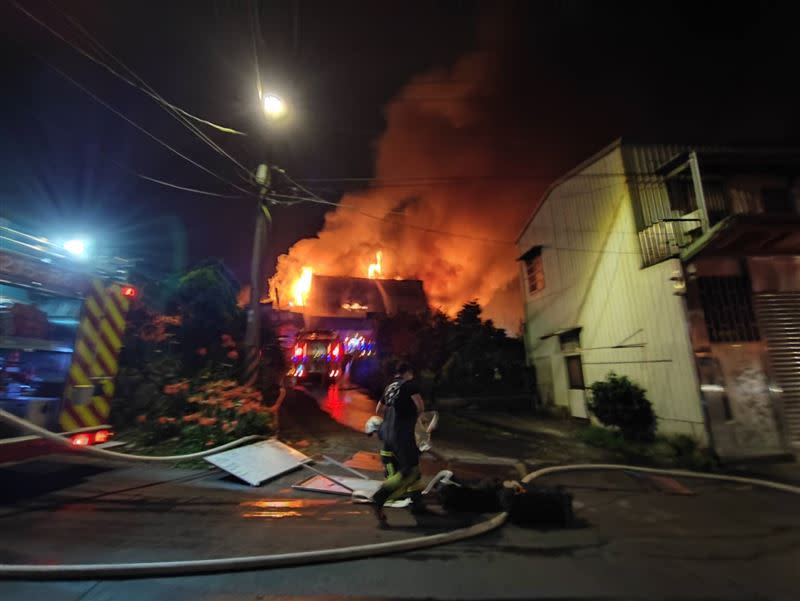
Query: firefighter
x: 400, y: 406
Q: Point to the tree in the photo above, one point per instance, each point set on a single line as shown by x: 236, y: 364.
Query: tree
x: 205, y: 298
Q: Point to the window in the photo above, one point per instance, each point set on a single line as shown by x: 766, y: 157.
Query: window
x: 728, y: 308
x: 575, y: 372
x: 570, y: 341
x: 534, y: 270
x: 681, y: 194
x: 44, y: 320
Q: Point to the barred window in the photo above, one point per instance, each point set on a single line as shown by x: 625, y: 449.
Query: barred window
x: 728, y: 306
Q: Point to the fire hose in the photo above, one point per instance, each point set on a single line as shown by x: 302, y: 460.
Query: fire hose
x: 260, y: 562
x: 18, y: 422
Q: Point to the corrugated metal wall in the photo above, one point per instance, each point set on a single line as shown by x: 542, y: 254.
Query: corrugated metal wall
x: 779, y: 320
x: 592, y: 261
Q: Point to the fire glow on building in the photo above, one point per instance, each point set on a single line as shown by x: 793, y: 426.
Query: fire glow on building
x: 366, y: 292
x: 301, y: 286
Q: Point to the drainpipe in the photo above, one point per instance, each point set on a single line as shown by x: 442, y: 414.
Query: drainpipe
x: 697, y: 182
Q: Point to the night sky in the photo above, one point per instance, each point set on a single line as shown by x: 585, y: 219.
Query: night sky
x: 574, y: 76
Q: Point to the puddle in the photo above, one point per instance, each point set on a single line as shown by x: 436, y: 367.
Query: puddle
x: 272, y: 515
x: 287, y: 503
x: 278, y: 509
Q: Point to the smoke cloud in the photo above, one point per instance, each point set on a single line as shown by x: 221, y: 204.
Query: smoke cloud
x: 452, y: 159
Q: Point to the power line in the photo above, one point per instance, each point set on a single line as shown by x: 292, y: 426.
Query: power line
x: 111, y: 70
x: 314, y: 198
x: 175, y: 111
x: 178, y: 187
x: 100, y: 101
x: 416, y: 182
x: 255, y: 31
x: 425, y: 179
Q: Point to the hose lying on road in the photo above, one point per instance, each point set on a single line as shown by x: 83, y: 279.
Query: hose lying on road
x: 260, y: 562
x: 581, y: 467
x: 17, y: 422
x: 252, y: 562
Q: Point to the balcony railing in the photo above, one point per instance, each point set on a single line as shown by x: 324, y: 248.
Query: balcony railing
x: 665, y: 239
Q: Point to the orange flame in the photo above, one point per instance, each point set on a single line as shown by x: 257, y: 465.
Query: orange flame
x: 374, y: 269
x: 301, y: 287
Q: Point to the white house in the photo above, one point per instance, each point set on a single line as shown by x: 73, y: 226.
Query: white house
x: 679, y: 267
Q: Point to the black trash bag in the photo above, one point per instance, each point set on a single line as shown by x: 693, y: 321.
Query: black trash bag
x: 485, y: 496
x: 540, y: 506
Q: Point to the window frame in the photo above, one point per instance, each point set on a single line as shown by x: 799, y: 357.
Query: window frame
x: 534, y: 270
x: 573, y: 384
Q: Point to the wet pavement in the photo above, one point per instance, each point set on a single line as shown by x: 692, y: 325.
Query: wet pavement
x: 347, y: 405
x: 633, y: 540
x: 104, y: 513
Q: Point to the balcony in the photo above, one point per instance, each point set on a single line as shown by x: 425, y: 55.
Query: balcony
x: 688, y: 204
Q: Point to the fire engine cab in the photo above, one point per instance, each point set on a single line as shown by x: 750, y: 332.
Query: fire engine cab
x: 62, y: 321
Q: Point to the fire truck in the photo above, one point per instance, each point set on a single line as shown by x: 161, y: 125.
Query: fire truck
x: 317, y: 354
x: 62, y: 319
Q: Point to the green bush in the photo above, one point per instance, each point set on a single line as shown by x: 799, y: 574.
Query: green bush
x: 619, y: 403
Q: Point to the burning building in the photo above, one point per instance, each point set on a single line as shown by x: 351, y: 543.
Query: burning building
x: 348, y: 304
x: 348, y: 297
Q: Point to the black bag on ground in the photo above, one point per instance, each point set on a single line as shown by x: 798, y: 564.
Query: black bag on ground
x: 481, y: 497
x: 540, y: 506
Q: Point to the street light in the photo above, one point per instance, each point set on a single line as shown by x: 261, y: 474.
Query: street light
x: 76, y: 247
x: 274, y: 106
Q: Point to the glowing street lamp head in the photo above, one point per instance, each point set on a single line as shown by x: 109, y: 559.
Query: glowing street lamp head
x: 274, y: 106
x: 76, y: 247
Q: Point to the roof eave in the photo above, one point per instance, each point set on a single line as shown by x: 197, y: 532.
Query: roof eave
x: 569, y: 174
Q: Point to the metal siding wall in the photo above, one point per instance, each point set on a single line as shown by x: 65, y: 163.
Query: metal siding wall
x: 649, y: 194
x: 590, y: 238
x: 779, y: 319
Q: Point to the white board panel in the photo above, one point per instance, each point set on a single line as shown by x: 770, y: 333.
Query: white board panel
x: 323, y: 484
x: 259, y: 462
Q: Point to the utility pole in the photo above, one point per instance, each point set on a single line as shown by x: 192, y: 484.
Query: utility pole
x: 252, y: 337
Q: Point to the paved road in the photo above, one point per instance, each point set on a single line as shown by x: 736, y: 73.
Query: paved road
x: 635, y: 542
x: 348, y: 406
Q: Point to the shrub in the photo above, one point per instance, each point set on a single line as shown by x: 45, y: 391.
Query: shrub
x: 205, y: 413
x: 619, y: 403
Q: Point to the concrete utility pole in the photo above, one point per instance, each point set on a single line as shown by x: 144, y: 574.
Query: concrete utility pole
x: 252, y: 337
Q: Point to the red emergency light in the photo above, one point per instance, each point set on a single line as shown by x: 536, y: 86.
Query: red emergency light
x: 81, y: 440
x: 129, y: 291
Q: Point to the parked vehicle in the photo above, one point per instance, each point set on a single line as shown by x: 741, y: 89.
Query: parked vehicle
x: 61, y: 325
x: 317, y: 355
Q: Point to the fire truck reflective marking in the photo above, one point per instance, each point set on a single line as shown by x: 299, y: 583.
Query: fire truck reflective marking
x: 110, y: 336
x: 67, y: 422
x: 84, y: 415
x: 102, y: 405
x: 93, y: 307
x: 76, y: 373
x: 97, y: 348
x: 114, y: 311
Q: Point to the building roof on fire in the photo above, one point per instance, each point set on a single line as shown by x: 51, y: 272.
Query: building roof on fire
x: 348, y: 296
